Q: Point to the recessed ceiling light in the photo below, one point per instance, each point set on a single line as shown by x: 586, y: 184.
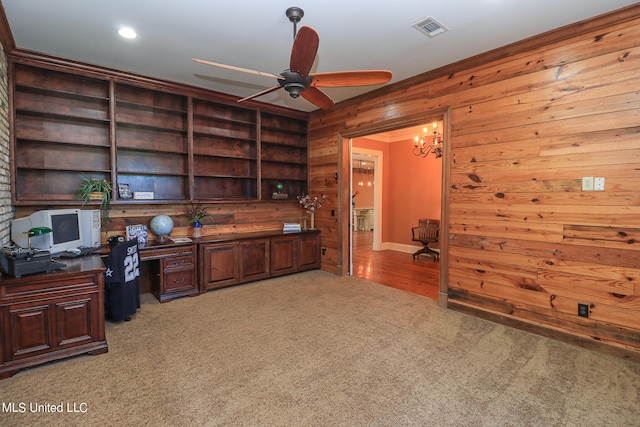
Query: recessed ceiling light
x: 127, y: 33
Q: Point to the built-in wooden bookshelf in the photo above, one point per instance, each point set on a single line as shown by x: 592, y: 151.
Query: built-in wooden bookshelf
x: 61, y: 130
x: 225, y: 151
x: 179, y: 144
x: 283, y: 154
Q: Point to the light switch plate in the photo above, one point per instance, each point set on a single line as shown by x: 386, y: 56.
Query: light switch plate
x: 598, y: 184
x: 587, y: 183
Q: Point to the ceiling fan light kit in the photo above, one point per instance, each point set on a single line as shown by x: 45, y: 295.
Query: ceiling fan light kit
x: 297, y: 80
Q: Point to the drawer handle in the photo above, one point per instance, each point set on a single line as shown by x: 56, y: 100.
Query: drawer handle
x: 183, y: 262
x: 177, y: 282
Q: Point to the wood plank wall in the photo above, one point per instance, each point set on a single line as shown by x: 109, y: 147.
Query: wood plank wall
x: 525, y: 244
x: 225, y: 217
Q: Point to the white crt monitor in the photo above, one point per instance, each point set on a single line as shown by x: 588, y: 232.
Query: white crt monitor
x: 68, y: 227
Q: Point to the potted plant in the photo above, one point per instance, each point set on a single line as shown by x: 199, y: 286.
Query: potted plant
x: 197, y: 214
x: 96, y: 189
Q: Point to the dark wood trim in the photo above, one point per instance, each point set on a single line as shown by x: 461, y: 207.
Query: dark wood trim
x: 590, y: 343
x: 6, y: 37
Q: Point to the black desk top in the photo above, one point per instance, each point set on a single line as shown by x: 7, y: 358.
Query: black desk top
x: 81, y: 264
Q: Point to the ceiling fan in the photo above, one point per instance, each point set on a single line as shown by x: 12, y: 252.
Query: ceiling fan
x: 297, y: 81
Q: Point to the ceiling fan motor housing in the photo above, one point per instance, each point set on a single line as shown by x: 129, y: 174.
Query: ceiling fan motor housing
x: 294, y: 83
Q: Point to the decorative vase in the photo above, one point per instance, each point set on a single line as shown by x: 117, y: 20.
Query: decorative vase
x: 313, y: 220
x: 197, y: 229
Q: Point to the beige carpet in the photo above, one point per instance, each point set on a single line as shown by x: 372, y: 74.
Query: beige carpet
x: 317, y: 350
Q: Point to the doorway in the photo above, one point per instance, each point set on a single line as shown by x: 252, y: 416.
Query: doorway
x: 395, y: 249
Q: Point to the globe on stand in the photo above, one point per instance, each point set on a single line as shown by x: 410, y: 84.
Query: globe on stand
x: 161, y: 225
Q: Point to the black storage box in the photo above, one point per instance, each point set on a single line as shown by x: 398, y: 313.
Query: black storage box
x: 27, y: 263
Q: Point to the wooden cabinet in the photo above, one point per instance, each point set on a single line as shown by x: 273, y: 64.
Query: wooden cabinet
x: 294, y: 252
x: 51, y: 316
x: 284, y: 250
x: 309, y: 251
x: 161, y: 139
x: 234, y: 262
x: 255, y: 260
x: 219, y: 265
x: 174, y: 270
x: 234, y: 259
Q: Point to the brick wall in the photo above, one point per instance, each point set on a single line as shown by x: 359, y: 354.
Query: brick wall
x: 6, y: 210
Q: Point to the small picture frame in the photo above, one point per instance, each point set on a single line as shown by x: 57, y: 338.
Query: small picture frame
x: 139, y: 232
x: 124, y: 191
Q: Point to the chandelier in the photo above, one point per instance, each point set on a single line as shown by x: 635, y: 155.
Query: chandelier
x: 422, y: 148
x: 364, y: 168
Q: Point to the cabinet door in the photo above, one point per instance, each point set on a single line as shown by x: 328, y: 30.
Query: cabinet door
x: 309, y: 252
x: 220, y: 265
x: 255, y: 260
x: 73, y: 320
x: 28, y: 330
x: 283, y: 255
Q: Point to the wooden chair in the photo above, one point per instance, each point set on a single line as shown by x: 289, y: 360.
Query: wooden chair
x: 426, y: 232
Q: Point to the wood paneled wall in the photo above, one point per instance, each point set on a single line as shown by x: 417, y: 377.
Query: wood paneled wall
x: 225, y: 217
x: 525, y: 244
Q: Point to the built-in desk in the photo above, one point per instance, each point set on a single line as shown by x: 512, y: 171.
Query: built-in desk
x: 51, y: 316
x: 172, y: 269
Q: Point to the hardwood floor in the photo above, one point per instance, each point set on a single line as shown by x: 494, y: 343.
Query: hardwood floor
x: 395, y: 269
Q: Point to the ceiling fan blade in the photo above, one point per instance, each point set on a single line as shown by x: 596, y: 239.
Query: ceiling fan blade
x: 264, y: 92
x: 351, y: 78
x: 244, y: 70
x: 317, y: 97
x: 303, y: 52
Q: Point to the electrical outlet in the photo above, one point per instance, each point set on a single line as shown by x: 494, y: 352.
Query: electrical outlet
x: 583, y: 310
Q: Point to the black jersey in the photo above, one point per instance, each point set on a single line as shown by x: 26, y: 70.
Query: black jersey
x: 122, y: 281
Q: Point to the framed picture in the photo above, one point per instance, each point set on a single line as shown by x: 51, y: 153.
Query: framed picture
x: 124, y: 191
x: 139, y: 232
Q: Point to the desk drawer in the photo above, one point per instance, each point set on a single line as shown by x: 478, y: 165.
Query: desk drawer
x: 150, y: 253
x: 177, y: 262
x: 179, y: 280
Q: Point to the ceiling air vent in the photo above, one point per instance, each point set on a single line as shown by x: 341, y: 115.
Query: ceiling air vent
x: 429, y: 26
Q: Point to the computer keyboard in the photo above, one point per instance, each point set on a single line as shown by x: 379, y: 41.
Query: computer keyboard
x: 76, y: 252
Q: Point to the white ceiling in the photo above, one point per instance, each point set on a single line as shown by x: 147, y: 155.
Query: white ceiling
x: 354, y: 34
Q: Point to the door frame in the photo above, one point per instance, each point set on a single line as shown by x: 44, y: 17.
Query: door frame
x: 377, y: 198
x: 345, y: 185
